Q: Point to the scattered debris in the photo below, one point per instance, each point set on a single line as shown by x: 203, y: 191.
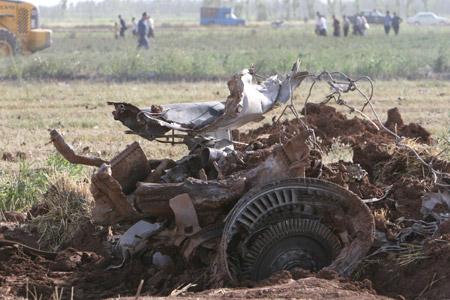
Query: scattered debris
x: 222, y: 214
x: 133, y: 241
x: 437, y: 205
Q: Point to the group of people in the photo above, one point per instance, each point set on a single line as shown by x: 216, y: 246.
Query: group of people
x: 393, y: 22
x: 360, y: 25
x: 143, y: 29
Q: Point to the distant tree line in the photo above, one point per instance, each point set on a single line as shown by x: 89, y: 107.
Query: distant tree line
x: 259, y: 10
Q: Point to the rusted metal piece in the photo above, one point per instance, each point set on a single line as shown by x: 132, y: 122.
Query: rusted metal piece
x: 199, y: 238
x: 285, y: 161
x: 129, y: 167
x: 111, y: 204
x: 185, y: 214
x: 185, y: 217
x: 68, y: 152
x: 28, y: 250
x: 155, y: 176
x: 153, y: 198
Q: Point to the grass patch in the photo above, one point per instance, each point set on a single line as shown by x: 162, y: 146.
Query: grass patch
x: 414, y: 254
x: 404, y: 163
x: 338, y: 152
x: 21, y: 189
x: 68, y: 202
x: 28, y: 111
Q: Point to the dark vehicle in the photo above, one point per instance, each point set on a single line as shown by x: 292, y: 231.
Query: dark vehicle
x: 220, y: 16
x: 372, y: 17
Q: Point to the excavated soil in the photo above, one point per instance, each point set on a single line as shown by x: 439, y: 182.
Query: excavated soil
x: 82, y: 265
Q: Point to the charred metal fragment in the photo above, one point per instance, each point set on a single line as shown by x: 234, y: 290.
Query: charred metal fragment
x: 297, y: 199
x: 152, y: 199
x: 111, y: 204
x: 129, y: 167
x: 285, y: 161
x: 185, y: 217
x: 69, y: 153
x: 246, y: 103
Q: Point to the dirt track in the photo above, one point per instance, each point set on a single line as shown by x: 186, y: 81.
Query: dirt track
x: 82, y: 265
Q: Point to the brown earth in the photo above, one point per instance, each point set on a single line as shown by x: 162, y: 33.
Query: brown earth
x: 82, y: 265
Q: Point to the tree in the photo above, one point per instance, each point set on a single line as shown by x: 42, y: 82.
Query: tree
x: 213, y: 3
x: 342, y: 6
x: 358, y: 5
x: 310, y: 4
x: 287, y: 5
x: 295, y: 6
x: 425, y: 3
x: 437, y: 5
x: 63, y: 7
x: 408, y: 6
x: 377, y: 4
x: 331, y: 5
x: 239, y: 9
x: 91, y: 5
x: 398, y: 4
x: 247, y: 9
x: 261, y: 10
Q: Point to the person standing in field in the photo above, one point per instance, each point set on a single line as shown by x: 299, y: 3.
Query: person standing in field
x: 364, y: 25
x: 151, y: 27
x: 396, y: 20
x: 357, y: 26
x: 346, y: 26
x: 336, y: 26
x: 123, y: 27
x: 387, y: 23
x: 322, y: 26
x: 134, y: 26
x: 143, y: 31
x: 317, y: 29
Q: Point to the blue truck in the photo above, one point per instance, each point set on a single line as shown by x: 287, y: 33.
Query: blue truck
x: 220, y: 16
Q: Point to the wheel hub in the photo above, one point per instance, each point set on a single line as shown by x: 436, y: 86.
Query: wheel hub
x: 295, y: 223
x: 290, y: 244
x: 292, y: 259
x: 5, y: 48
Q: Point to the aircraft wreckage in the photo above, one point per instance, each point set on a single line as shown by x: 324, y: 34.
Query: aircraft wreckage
x: 255, y: 206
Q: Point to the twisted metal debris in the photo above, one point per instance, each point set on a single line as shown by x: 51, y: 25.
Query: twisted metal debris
x: 244, y: 204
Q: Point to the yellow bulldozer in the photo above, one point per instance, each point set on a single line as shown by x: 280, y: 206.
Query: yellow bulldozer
x: 19, y: 29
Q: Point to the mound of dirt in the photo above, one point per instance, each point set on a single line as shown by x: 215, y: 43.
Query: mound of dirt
x: 425, y: 277
x: 413, y: 130
x: 27, y: 235
x: 329, y: 124
x: 308, y: 288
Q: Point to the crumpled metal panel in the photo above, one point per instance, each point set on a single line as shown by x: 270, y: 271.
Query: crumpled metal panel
x: 129, y: 167
x: 197, y: 114
x: 247, y: 102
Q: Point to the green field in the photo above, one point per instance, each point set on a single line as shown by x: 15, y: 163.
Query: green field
x: 190, y: 52
x: 66, y: 87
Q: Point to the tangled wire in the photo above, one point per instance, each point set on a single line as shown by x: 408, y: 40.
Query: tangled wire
x: 346, y: 85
